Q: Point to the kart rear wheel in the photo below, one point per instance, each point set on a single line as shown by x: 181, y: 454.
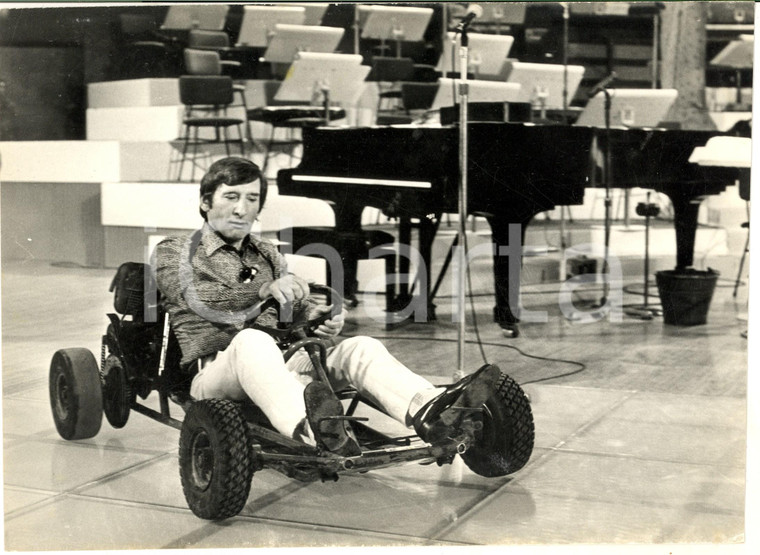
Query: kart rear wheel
x: 506, y: 441
x: 117, y: 395
x: 75, y: 394
x: 215, y: 462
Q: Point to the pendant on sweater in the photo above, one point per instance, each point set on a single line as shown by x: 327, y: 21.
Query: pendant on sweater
x: 247, y: 274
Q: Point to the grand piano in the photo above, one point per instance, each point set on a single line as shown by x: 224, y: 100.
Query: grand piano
x: 515, y: 171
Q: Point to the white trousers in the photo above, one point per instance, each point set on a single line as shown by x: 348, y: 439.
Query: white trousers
x: 252, y: 366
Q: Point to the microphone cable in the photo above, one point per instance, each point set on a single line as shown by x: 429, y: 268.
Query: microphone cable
x: 580, y: 367
x: 480, y: 343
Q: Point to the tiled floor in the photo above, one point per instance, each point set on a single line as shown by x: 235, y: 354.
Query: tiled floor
x: 646, y: 445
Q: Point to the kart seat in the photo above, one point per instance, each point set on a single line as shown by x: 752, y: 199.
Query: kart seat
x: 140, y: 339
x: 135, y: 291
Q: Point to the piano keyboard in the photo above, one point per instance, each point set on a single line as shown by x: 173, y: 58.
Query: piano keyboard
x: 335, y: 180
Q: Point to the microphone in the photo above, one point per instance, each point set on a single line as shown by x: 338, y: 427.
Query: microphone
x: 473, y: 11
x: 603, y: 84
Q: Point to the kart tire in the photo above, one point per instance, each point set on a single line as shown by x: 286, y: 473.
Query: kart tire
x: 506, y: 441
x: 215, y: 462
x: 75, y: 394
x: 117, y: 395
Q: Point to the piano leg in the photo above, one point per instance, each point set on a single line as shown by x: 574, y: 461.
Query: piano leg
x: 686, y: 211
x: 426, y: 234
x: 502, y: 312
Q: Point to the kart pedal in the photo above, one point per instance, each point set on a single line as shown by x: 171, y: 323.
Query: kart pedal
x: 449, y: 417
x: 338, y: 417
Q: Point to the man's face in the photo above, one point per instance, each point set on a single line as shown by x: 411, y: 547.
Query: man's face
x: 233, y: 210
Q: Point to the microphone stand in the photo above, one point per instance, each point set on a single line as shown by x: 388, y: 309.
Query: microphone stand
x: 357, y: 28
x: 565, y: 46
x: 463, y: 164
x: 645, y: 312
x: 565, y: 103
x: 607, y: 191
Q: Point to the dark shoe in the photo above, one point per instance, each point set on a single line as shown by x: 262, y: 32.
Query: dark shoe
x: 509, y: 330
x: 438, y: 419
x: 333, y: 434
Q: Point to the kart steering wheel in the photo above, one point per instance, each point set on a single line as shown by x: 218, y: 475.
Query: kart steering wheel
x: 300, y: 324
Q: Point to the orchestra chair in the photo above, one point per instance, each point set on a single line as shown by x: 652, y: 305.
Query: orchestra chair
x: 198, y: 38
x: 206, y: 99
x: 389, y: 72
x: 416, y: 100
x: 352, y: 246
x: 146, y: 53
x: 216, y: 41
x: 209, y: 62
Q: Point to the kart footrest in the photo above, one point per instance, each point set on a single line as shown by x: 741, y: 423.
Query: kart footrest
x: 373, y: 439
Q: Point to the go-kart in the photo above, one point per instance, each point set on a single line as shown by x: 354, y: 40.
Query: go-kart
x: 222, y: 443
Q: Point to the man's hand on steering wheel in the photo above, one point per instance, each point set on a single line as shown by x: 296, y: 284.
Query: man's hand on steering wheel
x: 329, y: 328
x: 285, y: 289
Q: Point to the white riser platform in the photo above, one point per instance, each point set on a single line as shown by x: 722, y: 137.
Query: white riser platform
x: 84, y: 161
x: 144, y: 205
x: 133, y: 92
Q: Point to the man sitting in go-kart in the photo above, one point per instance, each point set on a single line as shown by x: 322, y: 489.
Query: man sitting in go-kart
x: 211, y: 281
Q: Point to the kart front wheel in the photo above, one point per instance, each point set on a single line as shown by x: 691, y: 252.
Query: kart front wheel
x: 75, y: 393
x: 506, y: 441
x: 215, y: 463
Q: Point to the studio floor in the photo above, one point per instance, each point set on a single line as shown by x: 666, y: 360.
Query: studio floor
x: 640, y: 437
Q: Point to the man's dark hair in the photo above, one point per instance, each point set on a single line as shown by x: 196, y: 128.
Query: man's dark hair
x: 231, y: 171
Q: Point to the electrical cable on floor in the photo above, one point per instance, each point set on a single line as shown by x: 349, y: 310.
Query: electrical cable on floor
x: 481, y: 344
x: 581, y: 366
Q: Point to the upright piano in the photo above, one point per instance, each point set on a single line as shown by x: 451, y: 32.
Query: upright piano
x: 515, y: 171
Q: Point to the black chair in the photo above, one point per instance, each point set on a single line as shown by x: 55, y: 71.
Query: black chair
x: 209, y: 62
x: 144, y: 52
x: 206, y: 98
x: 416, y: 100
x: 389, y: 72
x: 208, y: 39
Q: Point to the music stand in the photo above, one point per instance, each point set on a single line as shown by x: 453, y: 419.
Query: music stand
x: 289, y: 40
x: 543, y: 84
x: 622, y: 108
x: 600, y: 8
x: 737, y: 55
x: 315, y: 11
x: 341, y: 75
x: 487, y: 54
x: 210, y: 17
x: 259, y: 23
x: 479, y: 91
x: 394, y: 23
x: 629, y: 108
x: 503, y: 13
